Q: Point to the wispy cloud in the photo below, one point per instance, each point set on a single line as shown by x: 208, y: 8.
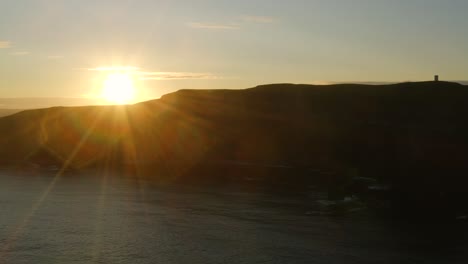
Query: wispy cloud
x: 236, y: 24
x: 214, y: 26
x: 55, y: 57
x: 5, y: 44
x: 114, y: 68
x: 145, y: 75
x: 258, y: 19
x: 176, y: 76
x: 20, y: 53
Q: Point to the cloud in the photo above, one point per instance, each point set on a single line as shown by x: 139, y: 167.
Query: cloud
x: 234, y: 25
x: 20, y: 53
x: 156, y: 75
x: 5, y: 44
x: 214, y: 26
x: 258, y: 19
x: 55, y: 57
x: 176, y: 76
x: 114, y: 68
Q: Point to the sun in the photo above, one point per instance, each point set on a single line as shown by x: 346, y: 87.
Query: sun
x: 118, y: 88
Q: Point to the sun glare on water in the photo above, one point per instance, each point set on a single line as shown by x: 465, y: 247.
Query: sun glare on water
x: 118, y: 88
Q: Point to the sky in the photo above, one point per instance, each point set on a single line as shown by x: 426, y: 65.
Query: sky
x: 67, y: 48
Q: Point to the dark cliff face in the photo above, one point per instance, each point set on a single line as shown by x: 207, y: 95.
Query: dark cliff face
x: 412, y: 132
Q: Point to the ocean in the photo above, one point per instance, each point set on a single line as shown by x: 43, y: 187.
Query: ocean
x: 90, y: 218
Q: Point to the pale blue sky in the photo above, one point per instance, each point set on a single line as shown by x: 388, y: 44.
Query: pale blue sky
x: 47, y: 47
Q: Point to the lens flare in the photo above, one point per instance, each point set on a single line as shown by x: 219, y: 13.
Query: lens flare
x: 118, y: 88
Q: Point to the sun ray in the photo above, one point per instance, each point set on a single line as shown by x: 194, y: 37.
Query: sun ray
x: 18, y: 231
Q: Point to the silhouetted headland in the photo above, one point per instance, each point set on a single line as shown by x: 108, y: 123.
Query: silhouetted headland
x: 407, y: 141
x: 6, y: 112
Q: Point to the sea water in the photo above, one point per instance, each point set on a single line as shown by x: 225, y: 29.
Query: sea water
x: 91, y: 218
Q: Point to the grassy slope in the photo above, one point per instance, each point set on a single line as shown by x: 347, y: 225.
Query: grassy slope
x: 410, y: 132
